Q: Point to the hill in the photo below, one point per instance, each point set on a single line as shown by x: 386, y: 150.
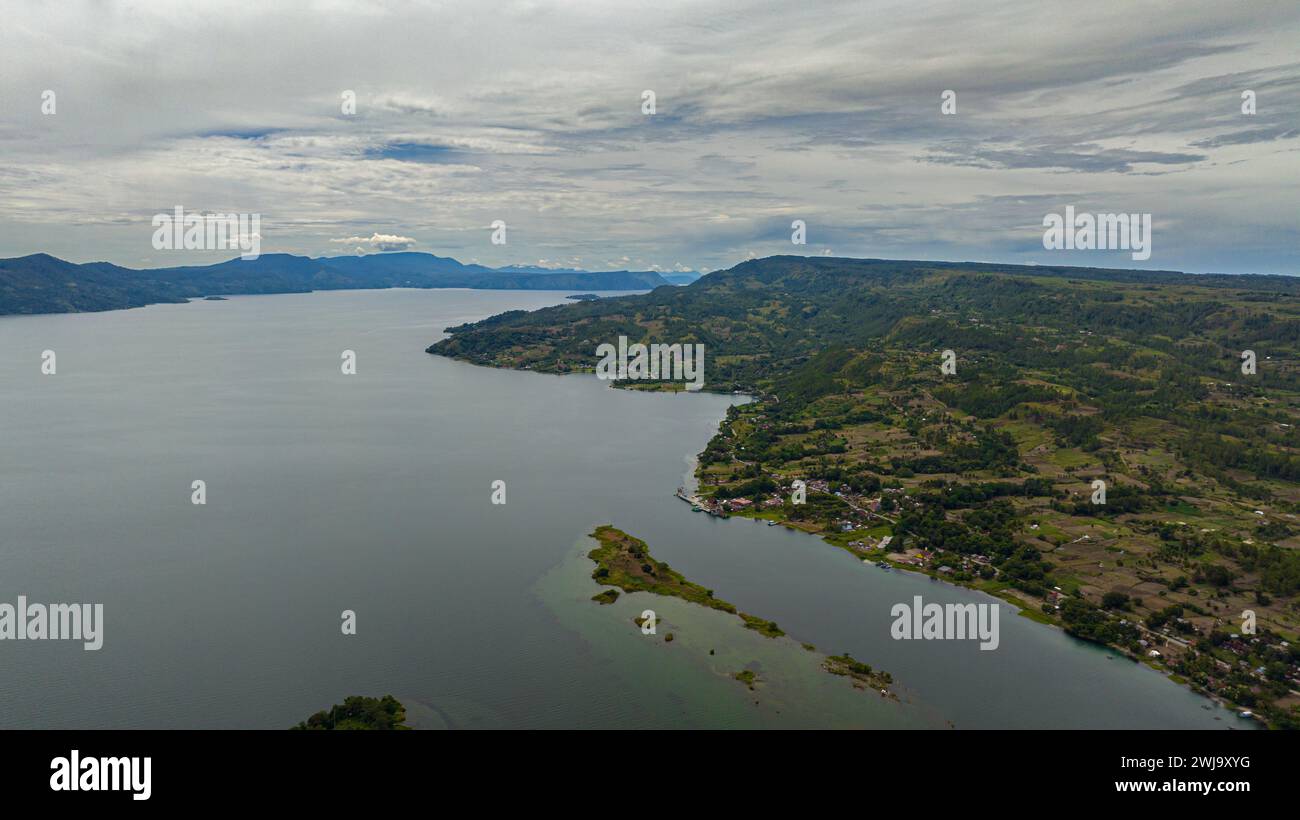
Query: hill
x: 41, y: 283
x: 1063, y: 381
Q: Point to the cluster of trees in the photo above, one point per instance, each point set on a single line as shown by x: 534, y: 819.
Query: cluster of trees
x: 988, y: 400
x: 1225, y: 453
x: 988, y: 530
x: 1078, y: 431
x: 1278, y: 568
x: 820, y: 507
x: 1089, y: 623
x: 359, y: 712
x: 1169, y: 615
x: 1120, y: 499
x: 746, y: 489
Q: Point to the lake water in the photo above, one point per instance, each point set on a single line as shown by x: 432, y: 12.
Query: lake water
x: 372, y: 493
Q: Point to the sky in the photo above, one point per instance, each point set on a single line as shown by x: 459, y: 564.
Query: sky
x: 533, y: 113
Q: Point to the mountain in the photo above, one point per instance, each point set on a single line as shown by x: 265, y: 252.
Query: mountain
x: 765, y: 317
x: 41, y: 283
x: 1113, y: 451
x: 682, y: 278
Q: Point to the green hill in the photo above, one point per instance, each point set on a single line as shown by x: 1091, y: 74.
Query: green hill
x: 987, y: 476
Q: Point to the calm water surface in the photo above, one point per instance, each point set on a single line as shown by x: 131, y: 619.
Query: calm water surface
x: 372, y: 493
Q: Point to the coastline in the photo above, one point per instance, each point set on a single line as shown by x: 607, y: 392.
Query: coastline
x: 736, y: 677
x: 1001, y: 592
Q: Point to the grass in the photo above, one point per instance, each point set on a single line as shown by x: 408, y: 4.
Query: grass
x: 863, y: 675
x: 625, y: 562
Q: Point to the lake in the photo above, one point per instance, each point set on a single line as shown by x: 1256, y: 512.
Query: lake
x: 372, y: 493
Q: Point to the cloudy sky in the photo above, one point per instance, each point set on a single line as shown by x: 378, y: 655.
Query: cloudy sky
x: 765, y: 112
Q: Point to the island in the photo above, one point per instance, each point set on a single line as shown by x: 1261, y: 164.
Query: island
x: 625, y: 562
x: 359, y: 712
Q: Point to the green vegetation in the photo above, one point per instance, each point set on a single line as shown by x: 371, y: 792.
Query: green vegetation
x: 986, y: 477
x: 359, y: 712
x: 863, y: 676
x: 625, y: 562
x: 768, y: 628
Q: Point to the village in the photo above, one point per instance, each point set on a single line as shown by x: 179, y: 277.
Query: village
x: 1215, y: 658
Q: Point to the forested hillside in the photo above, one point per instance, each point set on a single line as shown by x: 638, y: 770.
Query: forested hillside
x: 1066, y: 379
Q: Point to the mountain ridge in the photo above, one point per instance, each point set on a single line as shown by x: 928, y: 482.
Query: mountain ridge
x: 42, y: 283
x: 1113, y: 451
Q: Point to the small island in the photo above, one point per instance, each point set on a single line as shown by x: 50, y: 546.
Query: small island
x: 359, y: 712
x: 863, y: 676
x: 625, y: 562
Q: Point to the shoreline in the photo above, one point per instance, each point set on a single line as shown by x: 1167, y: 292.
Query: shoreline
x: 1001, y: 593
x: 624, y: 562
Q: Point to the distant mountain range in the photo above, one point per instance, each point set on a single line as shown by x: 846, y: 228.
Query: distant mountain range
x: 41, y: 283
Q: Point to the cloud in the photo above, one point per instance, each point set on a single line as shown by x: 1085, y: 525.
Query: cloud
x: 532, y: 115
x: 377, y: 242
x: 1089, y: 158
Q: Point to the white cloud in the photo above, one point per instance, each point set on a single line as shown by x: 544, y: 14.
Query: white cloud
x: 377, y: 242
x: 531, y: 114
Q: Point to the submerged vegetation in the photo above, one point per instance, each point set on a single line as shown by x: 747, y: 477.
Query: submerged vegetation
x: 862, y: 674
x: 625, y: 562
